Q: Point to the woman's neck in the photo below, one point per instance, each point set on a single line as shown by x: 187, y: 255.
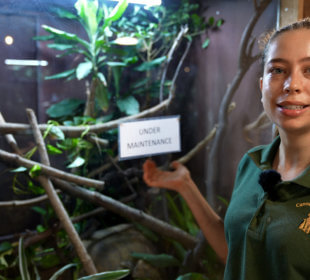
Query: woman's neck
x: 293, y: 155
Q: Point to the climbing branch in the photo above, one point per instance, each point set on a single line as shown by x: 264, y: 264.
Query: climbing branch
x: 50, y: 171
x: 56, y: 202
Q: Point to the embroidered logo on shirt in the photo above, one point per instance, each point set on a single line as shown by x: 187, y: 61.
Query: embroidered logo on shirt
x: 305, y: 225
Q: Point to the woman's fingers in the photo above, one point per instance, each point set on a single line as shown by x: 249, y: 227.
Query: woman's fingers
x: 149, y: 172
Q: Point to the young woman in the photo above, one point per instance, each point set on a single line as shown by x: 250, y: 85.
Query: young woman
x: 266, y: 232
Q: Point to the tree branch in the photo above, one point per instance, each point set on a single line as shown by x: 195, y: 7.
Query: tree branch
x: 10, y: 139
x: 56, y: 203
x: 25, y: 202
x: 50, y: 171
x: 130, y: 213
x: 176, y: 43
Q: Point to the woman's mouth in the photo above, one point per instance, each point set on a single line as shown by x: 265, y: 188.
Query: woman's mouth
x: 294, y: 107
x: 292, y: 110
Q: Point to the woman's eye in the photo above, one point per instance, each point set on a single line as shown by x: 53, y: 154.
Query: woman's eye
x: 307, y: 70
x: 276, y: 70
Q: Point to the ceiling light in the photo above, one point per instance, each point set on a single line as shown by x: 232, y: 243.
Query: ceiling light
x: 25, y: 62
x: 126, y: 41
x: 9, y: 40
x: 144, y: 2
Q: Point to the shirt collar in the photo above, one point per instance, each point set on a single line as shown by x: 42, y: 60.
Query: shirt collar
x: 263, y: 157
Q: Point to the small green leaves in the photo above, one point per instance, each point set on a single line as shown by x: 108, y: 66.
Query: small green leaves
x: 79, y: 161
x: 87, y: 11
x: 219, y: 22
x: 206, y: 43
x: 53, y: 150
x: 19, y: 169
x: 116, y: 13
x: 35, y: 171
x: 151, y: 64
x: 211, y: 21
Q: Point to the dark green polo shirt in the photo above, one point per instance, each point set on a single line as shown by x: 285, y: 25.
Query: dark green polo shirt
x: 268, y: 239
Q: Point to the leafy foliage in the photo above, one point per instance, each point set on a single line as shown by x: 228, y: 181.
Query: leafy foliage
x: 123, y: 80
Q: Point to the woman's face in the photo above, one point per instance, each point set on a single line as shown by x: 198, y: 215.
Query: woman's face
x: 285, y: 84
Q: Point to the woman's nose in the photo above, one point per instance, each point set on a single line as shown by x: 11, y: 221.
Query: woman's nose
x: 293, y: 83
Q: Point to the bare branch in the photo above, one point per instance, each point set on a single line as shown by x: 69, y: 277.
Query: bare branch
x: 244, y: 63
x: 10, y: 139
x: 100, y: 169
x: 56, y: 203
x: 130, y: 213
x: 198, y: 147
x: 175, y: 44
x: 98, y: 141
x: 25, y: 202
x: 176, y: 73
x: 76, y: 131
x: 50, y: 171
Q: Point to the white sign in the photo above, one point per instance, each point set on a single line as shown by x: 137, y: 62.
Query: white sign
x: 149, y: 137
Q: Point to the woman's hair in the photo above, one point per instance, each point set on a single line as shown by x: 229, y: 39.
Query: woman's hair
x: 265, y: 42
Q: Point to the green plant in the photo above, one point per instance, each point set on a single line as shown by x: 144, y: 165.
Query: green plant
x: 105, y: 66
x: 96, y: 22
x: 25, y: 275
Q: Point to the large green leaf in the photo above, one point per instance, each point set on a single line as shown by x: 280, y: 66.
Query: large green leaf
x: 108, y: 275
x: 116, y: 13
x: 83, y: 70
x: 62, y: 270
x: 87, y: 10
x: 162, y: 260
x: 22, y: 260
x: 60, y: 47
x: 62, y: 13
x: 192, y: 276
x: 128, y: 105
x: 206, y: 43
x: 62, y: 75
x: 101, y: 92
x: 65, y: 35
x: 5, y: 246
x: 57, y: 132
x: 151, y: 64
x: 66, y: 107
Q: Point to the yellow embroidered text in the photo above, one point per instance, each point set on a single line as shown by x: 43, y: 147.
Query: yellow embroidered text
x: 305, y: 225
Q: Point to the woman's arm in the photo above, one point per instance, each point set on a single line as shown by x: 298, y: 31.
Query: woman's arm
x: 180, y: 181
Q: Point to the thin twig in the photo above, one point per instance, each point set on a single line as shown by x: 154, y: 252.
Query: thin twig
x: 198, y: 147
x: 131, y: 188
x: 176, y: 43
x: 10, y: 139
x: 25, y: 202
